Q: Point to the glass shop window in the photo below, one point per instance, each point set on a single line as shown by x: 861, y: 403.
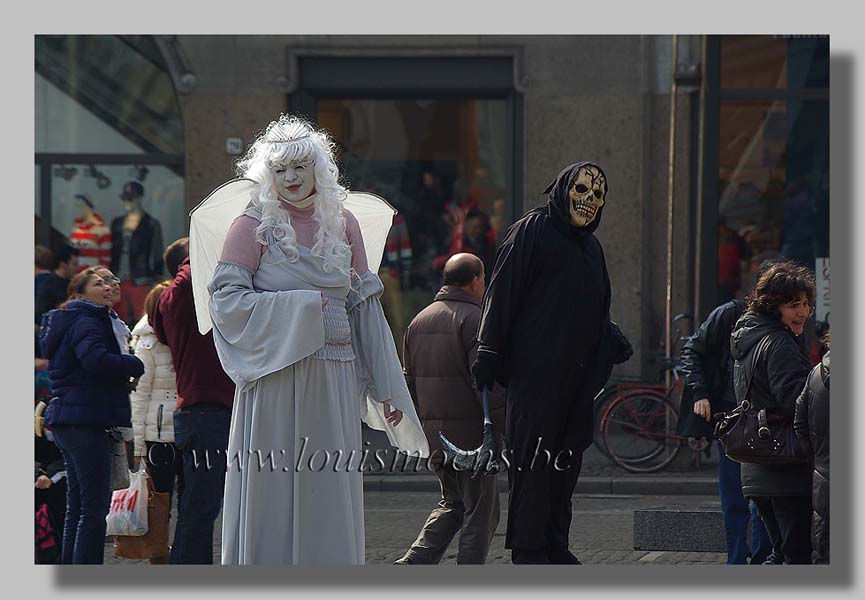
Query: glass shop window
x: 774, y: 156
x: 443, y: 164
x: 774, y: 188
x: 774, y: 62
x: 163, y: 200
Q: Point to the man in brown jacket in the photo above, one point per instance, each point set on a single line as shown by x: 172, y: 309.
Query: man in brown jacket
x: 440, y: 346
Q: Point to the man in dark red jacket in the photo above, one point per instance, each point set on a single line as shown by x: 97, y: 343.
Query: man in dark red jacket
x: 203, y: 415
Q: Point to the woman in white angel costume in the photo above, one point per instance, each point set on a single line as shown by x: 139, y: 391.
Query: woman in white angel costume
x: 298, y: 326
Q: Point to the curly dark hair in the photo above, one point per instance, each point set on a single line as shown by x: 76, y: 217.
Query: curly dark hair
x: 779, y: 283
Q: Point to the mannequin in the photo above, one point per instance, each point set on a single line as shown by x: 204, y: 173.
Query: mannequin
x: 90, y: 235
x: 136, y: 252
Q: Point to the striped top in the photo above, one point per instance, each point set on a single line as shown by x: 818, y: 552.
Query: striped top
x: 93, y: 241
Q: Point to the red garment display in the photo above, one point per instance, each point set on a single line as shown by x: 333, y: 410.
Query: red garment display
x: 93, y: 240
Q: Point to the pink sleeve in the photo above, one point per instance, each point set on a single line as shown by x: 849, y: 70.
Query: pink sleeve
x: 240, y: 245
x: 355, y: 240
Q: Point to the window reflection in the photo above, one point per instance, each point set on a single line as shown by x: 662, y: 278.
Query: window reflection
x: 101, y: 185
x: 120, y: 80
x: 443, y: 165
x: 774, y: 195
x: 774, y: 62
x: 753, y: 61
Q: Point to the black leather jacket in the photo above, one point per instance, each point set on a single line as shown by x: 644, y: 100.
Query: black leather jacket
x: 145, y: 250
x: 706, y: 360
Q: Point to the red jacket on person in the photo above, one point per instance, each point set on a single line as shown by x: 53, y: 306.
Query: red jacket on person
x: 200, y: 378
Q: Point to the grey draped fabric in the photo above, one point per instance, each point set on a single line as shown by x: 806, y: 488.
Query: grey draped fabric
x: 306, y: 375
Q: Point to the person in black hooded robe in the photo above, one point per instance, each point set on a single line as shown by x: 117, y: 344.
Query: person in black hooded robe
x: 546, y: 335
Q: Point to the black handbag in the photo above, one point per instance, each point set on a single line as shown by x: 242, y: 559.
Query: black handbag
x: 763, y: 437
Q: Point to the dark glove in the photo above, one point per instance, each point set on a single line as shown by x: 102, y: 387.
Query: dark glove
x: 484, y: 371
x: 622, y: 349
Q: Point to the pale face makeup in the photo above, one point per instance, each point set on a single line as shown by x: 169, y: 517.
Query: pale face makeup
x: 294, y: 182
x: 795, y: 312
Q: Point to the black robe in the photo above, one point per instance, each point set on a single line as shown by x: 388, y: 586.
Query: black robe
x: 546, y: 318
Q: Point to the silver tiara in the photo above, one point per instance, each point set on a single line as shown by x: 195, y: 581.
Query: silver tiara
x: 289, y: 140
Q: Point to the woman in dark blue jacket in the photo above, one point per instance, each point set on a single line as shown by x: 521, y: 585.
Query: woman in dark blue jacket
x: 90, y: 379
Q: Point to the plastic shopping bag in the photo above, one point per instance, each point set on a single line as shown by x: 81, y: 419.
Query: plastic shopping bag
x: 128, y: 513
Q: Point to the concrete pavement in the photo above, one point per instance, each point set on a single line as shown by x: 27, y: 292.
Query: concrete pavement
x: 602, y: 531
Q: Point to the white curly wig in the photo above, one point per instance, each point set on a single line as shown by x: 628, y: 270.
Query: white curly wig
x: 292, y: 139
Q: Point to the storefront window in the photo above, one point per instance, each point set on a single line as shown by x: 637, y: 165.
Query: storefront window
x: 773, y: 157
x: 119, y: 81
x: 105, y: 113
x: 752, y: 191
x: 102, y: 184
x: 443, y: 164
x: 753, y: 61
x: 774, y: 62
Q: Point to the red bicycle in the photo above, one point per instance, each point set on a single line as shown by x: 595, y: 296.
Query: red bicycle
x: 638, y: 426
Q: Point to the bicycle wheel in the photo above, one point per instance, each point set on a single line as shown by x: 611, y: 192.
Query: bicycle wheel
x: 631, y: 454
x: 636, y: 455
x: 602, y: 401
x: 599, y: 406
x: 639, y: 431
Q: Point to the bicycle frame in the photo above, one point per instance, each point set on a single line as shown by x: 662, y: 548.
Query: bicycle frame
x: 639, y: 420
x: 639, y: 392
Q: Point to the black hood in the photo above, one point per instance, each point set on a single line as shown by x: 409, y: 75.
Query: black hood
x: 749, y: 330
x: 55, y: 323
x: 557, y: 205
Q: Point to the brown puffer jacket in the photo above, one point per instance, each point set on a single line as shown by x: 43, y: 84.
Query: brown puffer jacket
x: 439, y: 347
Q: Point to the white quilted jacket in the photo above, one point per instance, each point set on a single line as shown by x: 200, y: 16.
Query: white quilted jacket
x: 155, y: 398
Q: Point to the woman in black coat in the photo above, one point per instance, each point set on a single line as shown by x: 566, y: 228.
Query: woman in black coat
x: 90, y: 379
x: 812, y: 426
x: 769, y: 357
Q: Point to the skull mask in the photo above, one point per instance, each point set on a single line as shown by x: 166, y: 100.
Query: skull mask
x: 586, y: 195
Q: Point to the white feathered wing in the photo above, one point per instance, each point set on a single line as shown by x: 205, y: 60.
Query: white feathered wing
x: 210, y: 220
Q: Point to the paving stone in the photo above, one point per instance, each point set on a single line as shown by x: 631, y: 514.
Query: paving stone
x: 682, y: 530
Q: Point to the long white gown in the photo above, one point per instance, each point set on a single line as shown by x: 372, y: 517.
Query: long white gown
x: 306, y: 376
